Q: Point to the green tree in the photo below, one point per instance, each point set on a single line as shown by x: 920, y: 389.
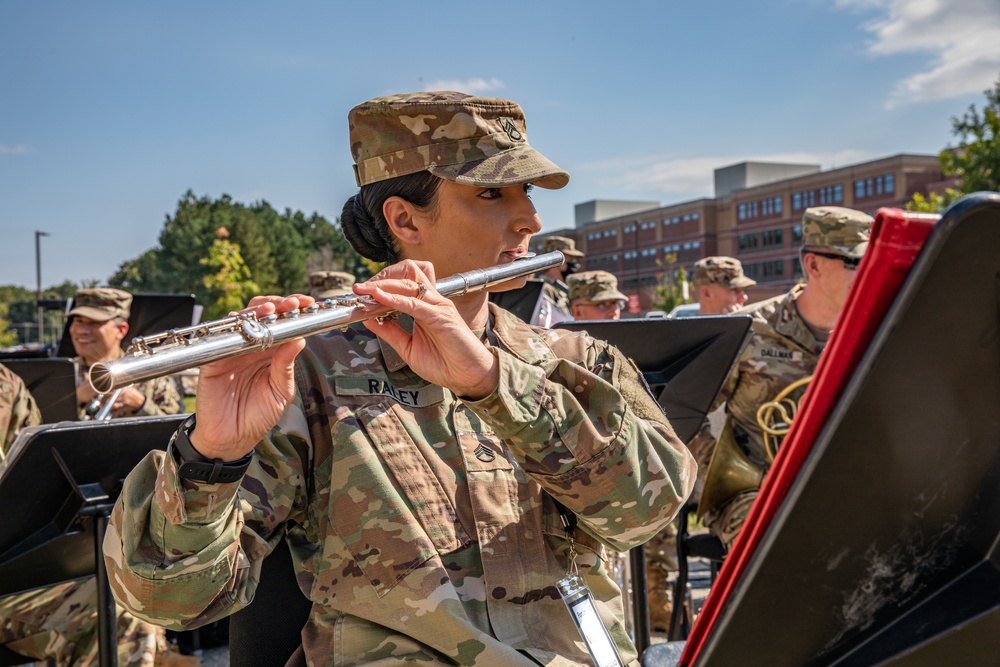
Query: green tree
x: 670, y: 289
x: 933, y: 203
x: 976, y: 159
x: 229, y: 281
x: 7, y: 337
x: 278, y: 249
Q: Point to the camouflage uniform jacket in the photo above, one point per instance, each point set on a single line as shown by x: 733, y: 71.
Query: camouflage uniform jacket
x: 553, y: 305
x: 162, y: 397
x: 17, y: 407
x: 422, y: 526
x: 782, y: 350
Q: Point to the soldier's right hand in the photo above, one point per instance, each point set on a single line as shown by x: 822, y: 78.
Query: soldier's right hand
x: 241, y: 398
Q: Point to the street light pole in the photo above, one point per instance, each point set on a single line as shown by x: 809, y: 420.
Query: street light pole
x: 38, y: 294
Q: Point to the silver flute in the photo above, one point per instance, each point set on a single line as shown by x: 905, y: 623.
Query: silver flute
x: 176, y: 350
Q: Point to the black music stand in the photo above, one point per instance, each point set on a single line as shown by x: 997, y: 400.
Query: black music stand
x: 685, y: 362
x: 886, y: 549
x: 52, y: 382
x: 149, y: 314
x: 63, y: 480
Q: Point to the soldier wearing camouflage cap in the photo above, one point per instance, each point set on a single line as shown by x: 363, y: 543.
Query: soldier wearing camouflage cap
x: 594, y: 295
x: 789, y: 333
x: 98, y: 324
x: 719, y: 285
x: 328, y: 284
x: 417, y: 464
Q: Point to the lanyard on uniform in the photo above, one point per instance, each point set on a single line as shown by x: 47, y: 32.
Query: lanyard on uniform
x: 580, y: 603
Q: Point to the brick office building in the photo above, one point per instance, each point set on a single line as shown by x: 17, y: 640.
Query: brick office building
x: 755, y: 216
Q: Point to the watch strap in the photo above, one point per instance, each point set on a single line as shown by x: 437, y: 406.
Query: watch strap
x: 192, y: 465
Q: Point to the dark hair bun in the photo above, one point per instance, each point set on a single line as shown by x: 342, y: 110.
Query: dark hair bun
x: 360, y: 231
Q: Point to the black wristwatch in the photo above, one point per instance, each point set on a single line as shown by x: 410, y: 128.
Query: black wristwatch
x: 192, y: 465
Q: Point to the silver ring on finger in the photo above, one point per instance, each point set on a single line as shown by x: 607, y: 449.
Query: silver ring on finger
x: 421, y: 291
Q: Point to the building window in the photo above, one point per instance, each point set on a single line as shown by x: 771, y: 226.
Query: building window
x: 759, y: 208
x: 771, y: 238
x: 884, y: 184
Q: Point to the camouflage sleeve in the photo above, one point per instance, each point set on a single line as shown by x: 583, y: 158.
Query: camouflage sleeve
x: 18, y: 409
x: 161, y: 398
x: 594, y: 439
x: 181, y: 554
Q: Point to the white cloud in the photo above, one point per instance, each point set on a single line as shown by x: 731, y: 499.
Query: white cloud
x: 476, y: 85
x: 688, y: 178
x: 19, y: 149
x: 961, y: 36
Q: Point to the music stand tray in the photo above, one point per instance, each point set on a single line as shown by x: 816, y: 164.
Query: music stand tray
x: 60, y: 482
x: 52, y: 382
x: 685, y: 361
x: 39, y: 541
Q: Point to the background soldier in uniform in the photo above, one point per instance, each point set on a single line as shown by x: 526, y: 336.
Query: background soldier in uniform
x: 328, y: 284
x: 789, y: 332
x: 719, y: 285
x: 594, y: 295
x: 553, y: 307
x: 418, y: 468
x: 98, y: 324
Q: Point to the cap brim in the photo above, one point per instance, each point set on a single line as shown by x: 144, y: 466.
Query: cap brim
x: 743, y: 282
x: 512, y: 167
x: 851, y: 251
x: 572, y: 253
x: 91, y: 314
x: 609, y: 296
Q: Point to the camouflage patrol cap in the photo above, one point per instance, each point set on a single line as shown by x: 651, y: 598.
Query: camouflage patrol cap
x: 101, y: 304
x: 594, y: 286
x: 328, y: 284
x: 842, y: 231
x: 480, y: 141
x: 725, y: 271
x: 565, y: 245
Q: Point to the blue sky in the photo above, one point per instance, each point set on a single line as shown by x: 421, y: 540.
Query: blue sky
x: 110, y: 111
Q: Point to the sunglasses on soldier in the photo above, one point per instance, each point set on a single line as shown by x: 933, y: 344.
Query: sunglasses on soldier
x: 850, y: 263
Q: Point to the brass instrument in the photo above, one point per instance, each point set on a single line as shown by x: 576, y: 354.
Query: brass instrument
x: 775, y: 417
x: 730, y: 472
x: 176, y: 350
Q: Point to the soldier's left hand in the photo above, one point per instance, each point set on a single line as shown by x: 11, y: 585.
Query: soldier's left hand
x: 442, y: 349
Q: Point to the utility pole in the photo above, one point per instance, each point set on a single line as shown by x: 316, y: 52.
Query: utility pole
x: 38, y: 293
